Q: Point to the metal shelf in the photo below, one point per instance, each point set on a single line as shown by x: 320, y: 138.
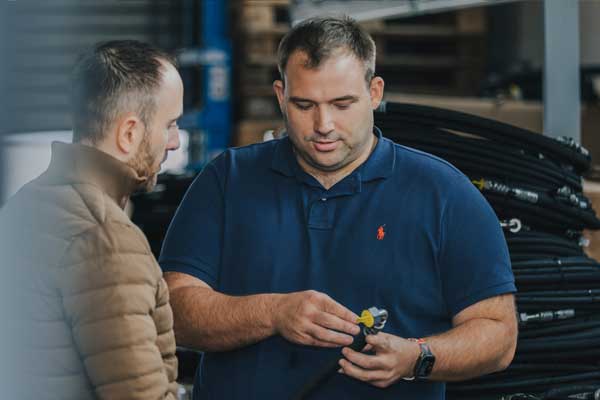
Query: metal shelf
x: 364, y: 10
x: 561, y: 28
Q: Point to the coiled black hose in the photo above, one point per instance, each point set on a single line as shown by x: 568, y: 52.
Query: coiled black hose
x: 537, y: 181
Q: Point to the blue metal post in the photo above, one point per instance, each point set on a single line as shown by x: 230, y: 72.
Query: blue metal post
x: 210, y: 127
x: 216, y: 112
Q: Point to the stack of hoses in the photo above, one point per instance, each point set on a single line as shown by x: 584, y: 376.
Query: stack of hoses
x: 533, y: 182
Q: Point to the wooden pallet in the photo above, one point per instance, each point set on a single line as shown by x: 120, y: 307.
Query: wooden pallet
x: 252, y: 131
x: 260, y: 106
x: 270, y: 16
x: 460, y: 23
x: 438, y: 53
x: 261, y: 77
x: 261, y: 48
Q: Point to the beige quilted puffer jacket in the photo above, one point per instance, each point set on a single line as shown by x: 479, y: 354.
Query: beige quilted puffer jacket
x: 87, y: 310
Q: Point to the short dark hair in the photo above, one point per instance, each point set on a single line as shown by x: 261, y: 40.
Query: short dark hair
x: 110, y: 77
x: 320, y: 37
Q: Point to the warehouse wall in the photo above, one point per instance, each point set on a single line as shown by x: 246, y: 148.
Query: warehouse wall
x: 590, y: 31
x: 529, y: 27
x: 51, y: 35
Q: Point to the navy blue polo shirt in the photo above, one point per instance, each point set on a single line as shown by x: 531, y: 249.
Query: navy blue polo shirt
x: 405, y: 231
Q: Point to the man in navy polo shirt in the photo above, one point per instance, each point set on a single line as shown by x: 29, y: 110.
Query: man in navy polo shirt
x: 278, y: 245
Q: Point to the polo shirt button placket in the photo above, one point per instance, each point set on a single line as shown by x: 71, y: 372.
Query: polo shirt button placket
x: 318, y: 215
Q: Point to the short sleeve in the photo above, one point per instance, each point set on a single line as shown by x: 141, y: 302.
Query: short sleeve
x: 474, y: 261
x: 194, y: 239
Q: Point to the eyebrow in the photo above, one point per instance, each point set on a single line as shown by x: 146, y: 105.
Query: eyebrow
x: 342, y: 98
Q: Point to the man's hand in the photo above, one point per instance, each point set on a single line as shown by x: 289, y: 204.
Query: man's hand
x: 315, y: 319
x: 394, y: 358
x: 483, y: 340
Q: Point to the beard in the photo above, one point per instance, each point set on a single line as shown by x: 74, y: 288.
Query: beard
x: 143, y: 164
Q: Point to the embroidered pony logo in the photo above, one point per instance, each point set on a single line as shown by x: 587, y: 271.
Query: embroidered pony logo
x: 380, y: 232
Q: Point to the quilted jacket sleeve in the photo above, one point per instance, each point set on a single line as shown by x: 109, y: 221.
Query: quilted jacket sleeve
x: 116, y: 302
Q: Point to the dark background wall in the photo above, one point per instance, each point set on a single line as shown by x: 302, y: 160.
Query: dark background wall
x: 50, y: 34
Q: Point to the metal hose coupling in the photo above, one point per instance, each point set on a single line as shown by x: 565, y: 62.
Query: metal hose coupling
x: 372, y: 320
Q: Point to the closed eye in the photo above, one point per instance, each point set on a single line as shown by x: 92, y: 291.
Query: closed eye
x: 343, y: 106
x: 303, y: 105
x: 173, y: 123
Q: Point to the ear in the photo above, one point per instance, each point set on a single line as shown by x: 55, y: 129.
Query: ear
x: 376, y: 91
x: 279, y: 88
x: 130, y: 132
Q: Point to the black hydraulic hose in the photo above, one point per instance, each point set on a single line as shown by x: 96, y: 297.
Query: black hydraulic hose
x: 536, y: 180
x: 559, y: 356
x: 585, y: 277
x: 550, y: 270
x: 370, y: 322
x: 445, y: 138
x: 523, y: 257
x: 548, y: 249
x: 559, y: 393
x: 442, y: 139
x: 498, y: 131
x: 526, y: 233
x: 548, y: 176
x: 536, y: 367
x: 545, y: 248
x: 516, y: 240
x: 539, y: 234
x: 592, y: 331
x: 527, y: 383
x: 549, y: 215
x: 558, y: 300
x: 329, y: 369
x: 471, y: 164
x: 484, y: 165
x: 505, y: 167
x: 579, y: 318
x: 518, y: 370
x: 557, y: 285
x: 538, y: 344
x: 533, y: 307
x: 586, y: 216
x: 563, y: 261
x: 543, y: 201
x: 563, y: 293
x: 533, y: 214
x: 585, y: 334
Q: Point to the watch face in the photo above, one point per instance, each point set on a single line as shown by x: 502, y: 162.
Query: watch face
x: 424, y: 364
x: 428, y: 362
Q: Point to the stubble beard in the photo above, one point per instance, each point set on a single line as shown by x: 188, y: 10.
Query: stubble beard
x: 143, y: 164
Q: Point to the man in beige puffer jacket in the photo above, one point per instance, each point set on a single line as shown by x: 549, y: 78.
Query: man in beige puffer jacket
x: 89, y: 310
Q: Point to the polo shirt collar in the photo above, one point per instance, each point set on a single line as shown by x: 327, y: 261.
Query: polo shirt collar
x: 284, y: 157
x: 380, y: 163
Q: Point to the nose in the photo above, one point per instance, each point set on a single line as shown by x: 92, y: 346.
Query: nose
x: 323, y: 120
x: 173, y: 142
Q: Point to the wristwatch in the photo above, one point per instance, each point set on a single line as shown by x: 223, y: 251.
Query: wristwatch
x: 425, y: 362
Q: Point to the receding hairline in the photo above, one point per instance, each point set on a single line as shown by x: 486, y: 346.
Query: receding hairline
x: 342, y: 51
x: 142, y: 101
x: 320, y: 37
x: 99, y: 105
